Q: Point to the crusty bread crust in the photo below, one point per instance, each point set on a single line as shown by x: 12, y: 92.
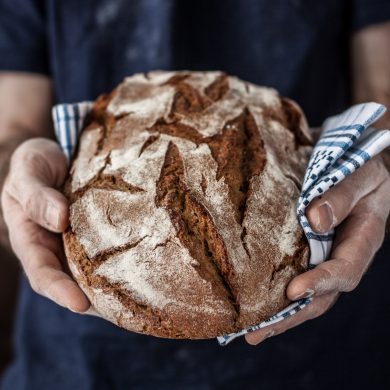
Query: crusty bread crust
x: 183, y: 196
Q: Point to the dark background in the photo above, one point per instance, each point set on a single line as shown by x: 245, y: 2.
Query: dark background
x: 297, y: 46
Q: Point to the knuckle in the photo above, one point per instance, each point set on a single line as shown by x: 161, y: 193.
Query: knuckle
x: 28, y: 159
x: 324, y: 279
x: 34, y: 205
x: 351, y: 276
x: 30, y: 206
x: 33, y: 158
x: 346, y: 264
x: 350, y: 284
x: 324, y: 273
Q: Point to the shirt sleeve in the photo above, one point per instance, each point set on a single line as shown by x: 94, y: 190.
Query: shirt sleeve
x: 367, y: 12
x: 23, y: 41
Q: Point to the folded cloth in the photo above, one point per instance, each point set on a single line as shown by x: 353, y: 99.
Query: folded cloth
x: 346, y: 143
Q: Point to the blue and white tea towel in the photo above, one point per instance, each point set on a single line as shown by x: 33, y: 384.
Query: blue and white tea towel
x: 346, y: 143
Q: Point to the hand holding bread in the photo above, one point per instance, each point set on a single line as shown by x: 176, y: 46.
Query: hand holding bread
x: 358, y: 207
x: 208, y: 169
x: 35, y: 212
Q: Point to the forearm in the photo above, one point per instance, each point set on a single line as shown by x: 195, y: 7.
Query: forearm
x: 25, y: 103
x: 6, y: 149
x: 371, y: 71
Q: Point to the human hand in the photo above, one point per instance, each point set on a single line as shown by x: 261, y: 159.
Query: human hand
x: 34, y: 211
x: 358, y: 207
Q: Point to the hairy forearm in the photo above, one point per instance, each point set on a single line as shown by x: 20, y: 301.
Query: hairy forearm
x: 25, y: 102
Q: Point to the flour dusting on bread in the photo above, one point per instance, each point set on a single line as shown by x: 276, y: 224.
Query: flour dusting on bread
x: 183, y: 196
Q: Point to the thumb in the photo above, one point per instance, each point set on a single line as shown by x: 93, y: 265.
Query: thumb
x: 329, y: 210
x: 38, y: 168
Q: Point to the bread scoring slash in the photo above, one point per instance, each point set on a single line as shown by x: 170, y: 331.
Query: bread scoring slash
x: 182, y: 204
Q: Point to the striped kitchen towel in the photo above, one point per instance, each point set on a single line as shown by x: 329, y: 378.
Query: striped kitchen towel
x: 346, y: 143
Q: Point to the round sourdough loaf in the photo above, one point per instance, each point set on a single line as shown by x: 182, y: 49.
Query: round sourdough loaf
x: 182, y: 204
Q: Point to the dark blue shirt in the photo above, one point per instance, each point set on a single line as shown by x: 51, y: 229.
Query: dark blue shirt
x: 300, y: 47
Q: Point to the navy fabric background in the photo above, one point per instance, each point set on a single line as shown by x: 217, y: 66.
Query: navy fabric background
x: 297, y: 46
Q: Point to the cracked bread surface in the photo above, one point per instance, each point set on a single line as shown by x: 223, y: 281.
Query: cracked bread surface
x: 182, y: 204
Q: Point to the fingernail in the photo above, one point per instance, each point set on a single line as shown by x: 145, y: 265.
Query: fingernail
x: 325, y: 218
x: 306, y: 294
x: 52, y: 215
x: 90, y: 312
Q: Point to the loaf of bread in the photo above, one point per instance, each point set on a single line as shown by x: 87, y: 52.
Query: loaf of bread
x: 183, y: 200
